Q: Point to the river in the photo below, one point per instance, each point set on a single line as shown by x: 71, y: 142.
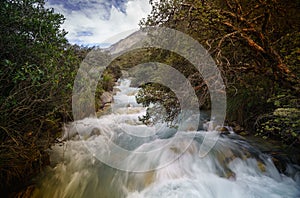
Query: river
x: 156, y: 161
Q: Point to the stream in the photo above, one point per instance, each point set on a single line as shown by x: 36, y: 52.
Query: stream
x: 157, y: 161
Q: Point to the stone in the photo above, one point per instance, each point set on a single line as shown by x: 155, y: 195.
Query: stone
x: 223, y: 130
x: 106, y: 97
x: 238, y: 128
x: 261, y: 166
x: 115, y: 90
x: 95, y: 131
x: 243, y: 133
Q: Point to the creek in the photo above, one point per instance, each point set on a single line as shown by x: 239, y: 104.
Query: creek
x: 157, y: 161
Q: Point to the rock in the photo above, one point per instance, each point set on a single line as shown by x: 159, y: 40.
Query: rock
x: 106, y: 109
x: 95, y: 131
x: 106, y: 97
x: 175, y: 150
x: 115, y: 90
x: 243, y: 133
x: 125, y: 74
x: 261, y: 166
x: 224, y: 157
x: 149, y: 178
x: 238, y: 128
x: 229, y: 174
x: 223, y: 130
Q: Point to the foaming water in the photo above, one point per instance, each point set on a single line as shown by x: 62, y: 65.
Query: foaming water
x: 233, y: 168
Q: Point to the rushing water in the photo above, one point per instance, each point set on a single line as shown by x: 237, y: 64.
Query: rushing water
x: 233, y: 168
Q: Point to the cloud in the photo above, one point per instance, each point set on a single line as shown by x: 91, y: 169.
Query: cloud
x: 90, y: 22
x: 85, y: 33
x: 87, y: 5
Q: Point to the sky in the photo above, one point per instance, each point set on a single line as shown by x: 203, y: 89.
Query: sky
x: 92, y: 22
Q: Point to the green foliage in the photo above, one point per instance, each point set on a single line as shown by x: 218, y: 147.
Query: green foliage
x: 108, y: 81
x: 284, y: 125
x: 282, y: 122
x: 162, y: 102
x: 30, y: 34
x: 255, y: 45
x: 37, y: 71
x: 247, y: 98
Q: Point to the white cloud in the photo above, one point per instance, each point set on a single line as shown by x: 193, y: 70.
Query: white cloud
x: 78, y: 24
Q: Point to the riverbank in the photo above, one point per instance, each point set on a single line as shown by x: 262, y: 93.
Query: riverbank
x: 281, y: 154
x: 232, y: 162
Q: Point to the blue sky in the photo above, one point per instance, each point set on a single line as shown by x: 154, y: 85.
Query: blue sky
x: 92, y: 22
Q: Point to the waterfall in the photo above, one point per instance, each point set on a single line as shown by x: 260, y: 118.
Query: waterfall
x: 156, y: 161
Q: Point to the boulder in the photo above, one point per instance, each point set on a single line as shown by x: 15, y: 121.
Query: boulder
x: 106, y: 97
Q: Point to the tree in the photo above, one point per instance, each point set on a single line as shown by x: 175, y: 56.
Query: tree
x: 246, y: 39
x: 37, y: 70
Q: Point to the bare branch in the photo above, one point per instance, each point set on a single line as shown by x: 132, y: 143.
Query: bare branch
x: 226, y: 36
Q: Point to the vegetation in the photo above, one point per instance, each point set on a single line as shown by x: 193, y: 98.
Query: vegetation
x: 256, y: 47
x: 255, y: 44
x: 37, y: 70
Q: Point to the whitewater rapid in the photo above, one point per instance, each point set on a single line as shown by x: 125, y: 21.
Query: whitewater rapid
x: 233, y: 168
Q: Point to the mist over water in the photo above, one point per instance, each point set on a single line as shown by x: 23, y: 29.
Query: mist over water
x: 233, y: 168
